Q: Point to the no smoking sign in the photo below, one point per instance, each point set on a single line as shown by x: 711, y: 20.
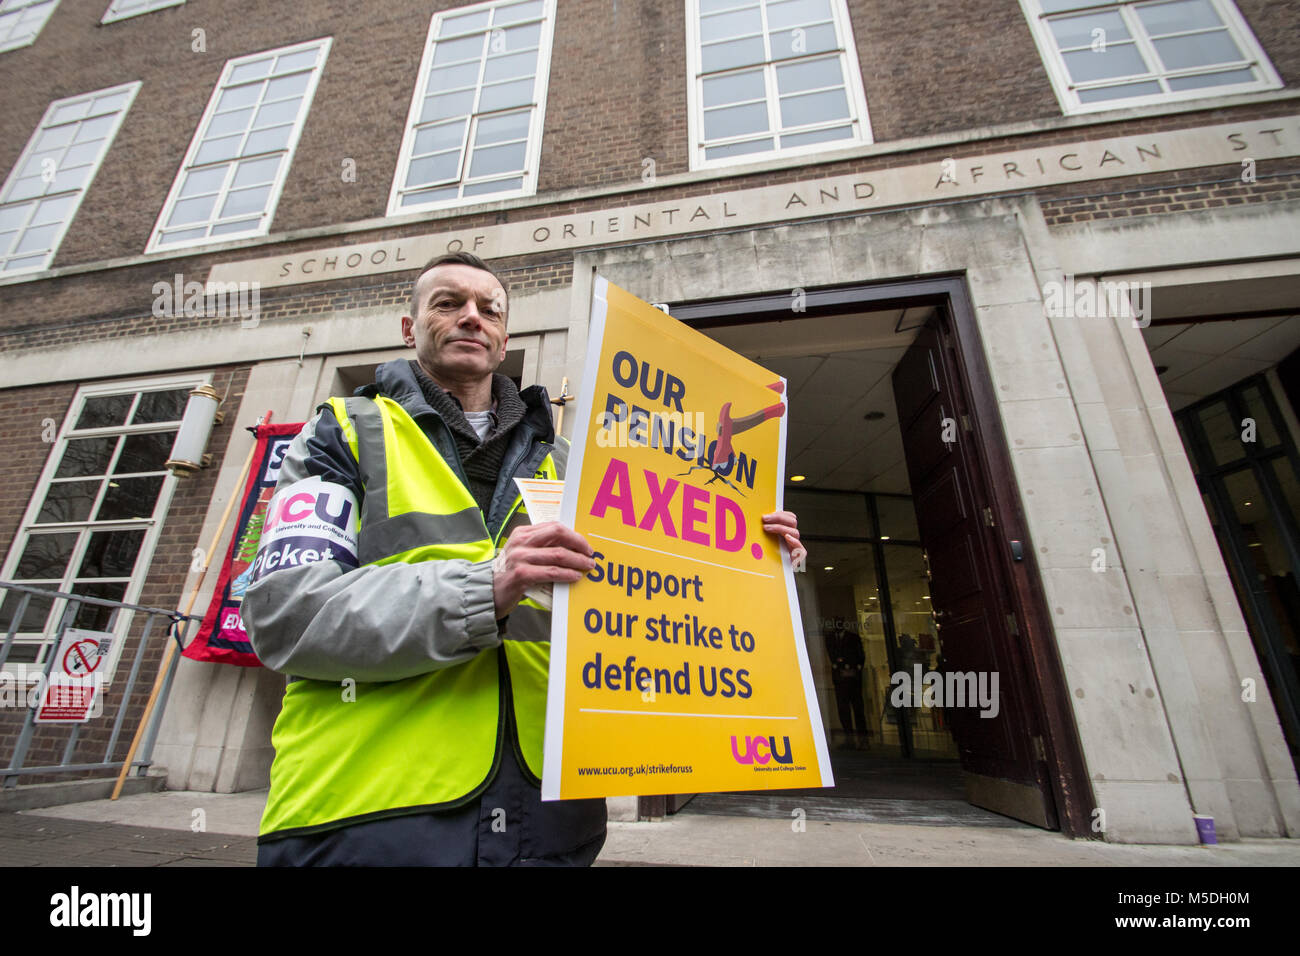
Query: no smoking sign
x: 80, y: 668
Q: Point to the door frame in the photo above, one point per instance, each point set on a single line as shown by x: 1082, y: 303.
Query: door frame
x: 1047, y: 694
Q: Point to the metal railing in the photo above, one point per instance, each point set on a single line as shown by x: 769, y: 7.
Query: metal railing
x: 176, y: 625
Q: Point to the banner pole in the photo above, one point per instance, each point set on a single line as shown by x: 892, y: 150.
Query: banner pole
x: 194, y: 595
x: 562, y: 400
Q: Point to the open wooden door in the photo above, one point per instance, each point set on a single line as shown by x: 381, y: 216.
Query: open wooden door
x: 1002, y: 756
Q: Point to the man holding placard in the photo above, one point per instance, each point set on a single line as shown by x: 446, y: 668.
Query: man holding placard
x: 391, y: 586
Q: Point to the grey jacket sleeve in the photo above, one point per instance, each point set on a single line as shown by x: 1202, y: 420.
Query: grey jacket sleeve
x: 315, y: 614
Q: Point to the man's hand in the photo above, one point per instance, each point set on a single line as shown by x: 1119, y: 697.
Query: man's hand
x: 547, y: 553
x: 785, y: 525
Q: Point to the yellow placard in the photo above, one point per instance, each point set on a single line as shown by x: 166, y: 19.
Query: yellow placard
x: 678, y: 665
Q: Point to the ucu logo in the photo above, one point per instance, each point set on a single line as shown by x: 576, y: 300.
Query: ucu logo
x: 335, y: 510
x: 760, y: 750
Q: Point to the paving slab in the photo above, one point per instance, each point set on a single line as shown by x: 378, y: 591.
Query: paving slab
x: 155, y: 830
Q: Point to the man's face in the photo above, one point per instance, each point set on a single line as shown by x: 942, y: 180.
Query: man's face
x: 460, y: 331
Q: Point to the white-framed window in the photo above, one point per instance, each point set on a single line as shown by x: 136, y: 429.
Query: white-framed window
x: 123, y: 9
x: 474, y: 130
x: 771, y: 78
x: 95, y: 517
x: 1103, y: 56
x: 237, y: 163
x: 44, y: 189
x: 22, y: 20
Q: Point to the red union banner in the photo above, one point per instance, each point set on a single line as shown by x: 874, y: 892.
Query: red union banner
x: 222, y: 637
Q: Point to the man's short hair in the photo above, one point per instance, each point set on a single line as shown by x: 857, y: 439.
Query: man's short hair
x: 455, y: 258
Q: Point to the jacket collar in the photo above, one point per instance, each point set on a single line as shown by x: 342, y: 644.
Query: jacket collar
x: 396, y: 381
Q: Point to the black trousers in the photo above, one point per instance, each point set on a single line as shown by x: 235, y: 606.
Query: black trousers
x: 508, y: 825
x: 848, y: 700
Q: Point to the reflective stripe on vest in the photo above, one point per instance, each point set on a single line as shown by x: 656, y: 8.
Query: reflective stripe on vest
x: 370, y: 757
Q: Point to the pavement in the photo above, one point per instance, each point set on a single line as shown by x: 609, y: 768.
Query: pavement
x: 181, y: 828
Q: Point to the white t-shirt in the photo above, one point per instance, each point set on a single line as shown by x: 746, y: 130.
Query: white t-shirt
x: 480, y: 422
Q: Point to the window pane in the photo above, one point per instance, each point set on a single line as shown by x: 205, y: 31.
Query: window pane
x: 738, y: 149
x: 1212, y: 79
x: 227, y: 228
x: 302, y: 60
x: 1202, y: 49
x: 501, y: 185
x: 814, y: 108
x: 514, y: 39
x: 837, y: 515
x: 273, y: 114
x: 792, y: 140
x: 242, y: 201
x: 161, y: 406
x: 256, y: 172
x: 517, y: 11
x: 735, y: 121
x: 505, y: 95
x: 287, y: 87
x: 38, y: 609
x: 1078, y: 31
x: 111, y: 554
x: 1222, y: 433
x: 181, y: 235
x: 433, y: 169
x: 227, y: 124
x: 254, y: 70
x: 15, y: 215
x: 448, y: 105
x: 128, y: 498
x: 510, y: 67
x: 216, y: 150
x: 235, y: 97
x: 95, y: 617
x: 68, y: 501
x: 734, y: 23
x: 447, y: 78
x: 1120, y: 59
x: 500, y: 129
x: 724, y: 56
x: 201, y: 182
x: 192, y: 210
x: 492, y: 160
x: 454, y: 51
x: 268, y: 140
x: 94, y: 129
x: 434, y: 139
x: 812, y: 75
x: 1266, y: 435
x: 1119, y: 92
x: 37, y: 239
x: 46, y: 556
x: 1162, y: 18
x: 464, y: 23
x: 803, y: 40
x: 797, y: 13
x: 430, y: 195
x: 86, y: 456
x: 734, y: 88
x: 897, y: 518
x: 144, y: 452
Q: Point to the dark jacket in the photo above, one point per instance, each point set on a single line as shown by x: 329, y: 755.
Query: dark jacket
x: 403, y: 619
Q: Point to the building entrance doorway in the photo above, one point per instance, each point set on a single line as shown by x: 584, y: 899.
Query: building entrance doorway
x: 916, y: 631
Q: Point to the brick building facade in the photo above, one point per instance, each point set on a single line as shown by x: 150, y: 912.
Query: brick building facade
x: 871, y: 153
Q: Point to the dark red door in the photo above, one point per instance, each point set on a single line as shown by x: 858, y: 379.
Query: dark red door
x: 970, y: 586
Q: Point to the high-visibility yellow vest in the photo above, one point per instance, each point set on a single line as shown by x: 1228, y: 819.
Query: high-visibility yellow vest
x: 426, y: 742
